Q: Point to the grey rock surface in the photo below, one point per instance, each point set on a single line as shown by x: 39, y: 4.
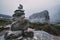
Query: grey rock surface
x: 12, y: 35
x: 19, y: 25
x: 38, y: 35
x: 40, y: 17
x: 42, y: 35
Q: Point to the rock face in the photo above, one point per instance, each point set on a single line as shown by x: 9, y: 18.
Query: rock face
x: 42, y: 35
x: 40, y: 17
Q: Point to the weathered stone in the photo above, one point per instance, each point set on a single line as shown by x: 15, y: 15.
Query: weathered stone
x: 42, y: 35
x: 19, y: 25
x: 19, y: 12
x: 12, y: 35
x: 29, y: 34
x: 40, y: 17
x: 18, y: 35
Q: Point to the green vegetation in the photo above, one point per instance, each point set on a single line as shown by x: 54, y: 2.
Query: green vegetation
x: 1, y: 29
x: 4, y: 22
x: 50, y: 28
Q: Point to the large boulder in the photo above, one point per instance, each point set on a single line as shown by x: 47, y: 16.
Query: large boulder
x: 41, y: 17
x: 42, y: 35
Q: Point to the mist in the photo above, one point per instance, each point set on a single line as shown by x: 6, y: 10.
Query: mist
x: 32, y: 6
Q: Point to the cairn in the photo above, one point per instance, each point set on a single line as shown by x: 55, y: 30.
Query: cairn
x: 18, y: 30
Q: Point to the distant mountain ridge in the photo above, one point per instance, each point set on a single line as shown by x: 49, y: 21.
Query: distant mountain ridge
x: 5, y: 16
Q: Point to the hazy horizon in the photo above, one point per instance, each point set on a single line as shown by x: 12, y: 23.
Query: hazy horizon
x: 32, y: 6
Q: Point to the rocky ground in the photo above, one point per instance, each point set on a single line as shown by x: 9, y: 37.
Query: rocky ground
x: 38, y: 35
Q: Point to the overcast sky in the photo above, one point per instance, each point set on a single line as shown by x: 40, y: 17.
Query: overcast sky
x: 31, y: 6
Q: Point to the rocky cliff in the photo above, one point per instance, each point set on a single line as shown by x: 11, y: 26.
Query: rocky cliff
x: 40, y: 17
